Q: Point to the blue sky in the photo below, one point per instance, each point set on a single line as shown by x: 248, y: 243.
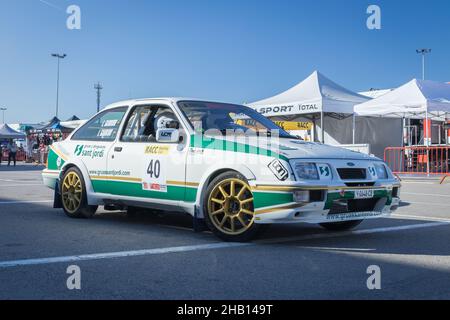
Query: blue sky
x: 232, y: 50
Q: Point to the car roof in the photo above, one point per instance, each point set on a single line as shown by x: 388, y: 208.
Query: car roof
x: 153, y: 100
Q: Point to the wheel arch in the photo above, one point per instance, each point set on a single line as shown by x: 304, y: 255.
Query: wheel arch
x: 87, y: 180
x: 214, y: 173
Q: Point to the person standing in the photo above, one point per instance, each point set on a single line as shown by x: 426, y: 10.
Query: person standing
x: 12, y: 152
x: 1, y: 153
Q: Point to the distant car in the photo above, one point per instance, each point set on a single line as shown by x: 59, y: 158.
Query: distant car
x: 223, y: 163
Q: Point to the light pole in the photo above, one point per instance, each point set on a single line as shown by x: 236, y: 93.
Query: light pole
x: 3, y: 111
x: 59, y: 57
x: 423, y: 52
x: 99, y: 89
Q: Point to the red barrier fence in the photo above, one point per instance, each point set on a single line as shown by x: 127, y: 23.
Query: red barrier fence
x: 418, y: 160
x: 20, y: 155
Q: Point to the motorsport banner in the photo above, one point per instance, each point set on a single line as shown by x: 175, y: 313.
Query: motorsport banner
x: 289, y: 109
x: 294, y: 126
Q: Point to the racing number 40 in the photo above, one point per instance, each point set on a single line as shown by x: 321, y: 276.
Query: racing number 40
x: 154, y: 169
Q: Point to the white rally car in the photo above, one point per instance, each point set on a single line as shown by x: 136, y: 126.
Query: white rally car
x: 223, y: 163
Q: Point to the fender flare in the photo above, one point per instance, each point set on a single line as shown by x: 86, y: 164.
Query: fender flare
x: 213, y: 172
x: 84, y: 171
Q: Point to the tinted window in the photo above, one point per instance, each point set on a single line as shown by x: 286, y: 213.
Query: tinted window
x: 103, y: 127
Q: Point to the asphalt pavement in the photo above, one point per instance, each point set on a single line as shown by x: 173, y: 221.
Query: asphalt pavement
x: 160, y: 257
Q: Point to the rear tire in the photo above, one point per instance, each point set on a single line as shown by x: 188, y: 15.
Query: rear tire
x: 229, y: 210
x: 74, y: 197
x: 341, y: 226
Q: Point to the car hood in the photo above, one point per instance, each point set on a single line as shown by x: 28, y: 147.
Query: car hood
x: 298, y: 149
x: 295, y: 149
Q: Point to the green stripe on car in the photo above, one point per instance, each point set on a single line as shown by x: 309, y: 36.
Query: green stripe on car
x: 198, y: 141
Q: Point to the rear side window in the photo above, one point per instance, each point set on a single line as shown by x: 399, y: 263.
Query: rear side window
x: 103, y: 127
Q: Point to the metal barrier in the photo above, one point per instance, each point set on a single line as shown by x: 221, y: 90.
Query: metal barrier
x: 20, y: 155
x: 418, y: 160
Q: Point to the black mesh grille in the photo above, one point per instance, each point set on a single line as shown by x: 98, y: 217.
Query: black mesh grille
x: 352, y: 174
x: 350, y: 206
x: 360, y: 184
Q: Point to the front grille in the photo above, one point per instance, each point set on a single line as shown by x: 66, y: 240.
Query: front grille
x: 360, y: 184
x: 351, y: 206
x: 352, y: 174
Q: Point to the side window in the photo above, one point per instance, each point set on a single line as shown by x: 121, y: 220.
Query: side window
x: 144, y: 121
x: 103, y: 127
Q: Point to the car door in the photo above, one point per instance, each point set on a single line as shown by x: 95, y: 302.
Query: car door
x: 144, y: 168
x: 92, y: 142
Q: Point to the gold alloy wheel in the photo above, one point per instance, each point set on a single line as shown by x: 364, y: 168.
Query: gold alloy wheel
x: 72, y: 191
x: 230, y: 207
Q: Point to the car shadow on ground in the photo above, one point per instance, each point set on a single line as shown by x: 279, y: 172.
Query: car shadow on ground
x: 274, y: 235
x: 404, y: 204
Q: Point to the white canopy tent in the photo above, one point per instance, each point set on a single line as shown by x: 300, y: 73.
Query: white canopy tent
x: 416, y: 99
x: 315, y: 95
x: 318, y: 97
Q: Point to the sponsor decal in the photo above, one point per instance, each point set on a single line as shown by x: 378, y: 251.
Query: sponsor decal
x: 59, y: 162
x: 308, y: 107
x: 78, y: 150
x: 90, y: 151
x: 154, y: 187
x: 353, y: 216
x: 294, y: 126
x: 280, y: 109
x: 110, y: 173
x: 279, y: 170
x: 157, y: 149
x: 324, y: 171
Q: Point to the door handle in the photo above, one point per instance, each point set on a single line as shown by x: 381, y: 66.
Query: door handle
x: 118, y: 149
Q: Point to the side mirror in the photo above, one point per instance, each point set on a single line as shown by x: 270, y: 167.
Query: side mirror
x: 168, y: 135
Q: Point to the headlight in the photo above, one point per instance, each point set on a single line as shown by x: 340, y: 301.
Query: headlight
x: 380, y: 168
x: 306, y: 171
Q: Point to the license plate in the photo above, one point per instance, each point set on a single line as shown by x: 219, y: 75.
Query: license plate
x: 364, y: 194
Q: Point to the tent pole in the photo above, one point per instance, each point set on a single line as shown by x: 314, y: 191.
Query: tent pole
x: 321, y: 127
x: 354, y: 128
x: 403, y: 131
x: 427, y: 143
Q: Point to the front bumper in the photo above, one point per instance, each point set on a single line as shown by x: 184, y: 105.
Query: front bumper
x: 50, y: 177
x: 276, y: 203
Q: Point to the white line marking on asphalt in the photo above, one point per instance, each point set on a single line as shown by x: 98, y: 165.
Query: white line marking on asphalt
x: 419, y: 182
x: 19, y: 185
x: 427, y: 194
x: 24, y: 202
x: 339, y: 249
x: 413, y: 217
x: 209, y: 246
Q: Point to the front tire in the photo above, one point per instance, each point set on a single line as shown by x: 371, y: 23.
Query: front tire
x: 341, y: 226
x: 73, y: 195
x: 229, y: 208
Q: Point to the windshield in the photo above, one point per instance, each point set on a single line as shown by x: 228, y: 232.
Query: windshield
x: 209, y: 116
